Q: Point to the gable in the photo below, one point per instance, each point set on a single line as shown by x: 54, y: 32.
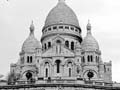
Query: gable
x: 58, y: 37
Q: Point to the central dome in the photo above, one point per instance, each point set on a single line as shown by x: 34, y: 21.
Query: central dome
x: 61, y: 14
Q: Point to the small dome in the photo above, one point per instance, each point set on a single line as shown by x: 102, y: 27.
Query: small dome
x: 89, y: 42
x: 61, y: 14
x: 31, y: 43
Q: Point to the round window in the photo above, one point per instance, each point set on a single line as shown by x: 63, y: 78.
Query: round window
x: 58, y: 41
x: 28, y: 75
x: 90, y: 74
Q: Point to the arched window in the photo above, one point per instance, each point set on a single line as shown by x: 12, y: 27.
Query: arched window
x: 96, y: 59
x: 45, y: 46
x: 27, y: 59
x: 88, y: 57
x: 42, y: 47
x: 46, y: 63
x: 66, y: 27
x: 72, y: 28
x: 60, y: 27
x: 70, y: 72
x: 30, y: 59
x: 83, y: 59
x: 46, y: 72
x: 49, y: 29
x: 91, y: 58
x: 80, y: 40
x: 49, y: 44
x: 58, y: 41
x: 58, y: 66
x: 104, y: 68
x: 54, y: 27
x: 38, y: 61
x: 22, y: 60
x: 67, y: 44
x: 72, y: 45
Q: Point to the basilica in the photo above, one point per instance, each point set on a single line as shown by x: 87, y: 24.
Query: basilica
x: 62, y: 55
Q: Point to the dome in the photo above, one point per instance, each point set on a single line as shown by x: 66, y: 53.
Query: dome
x: 31, y: 43
x: 61, y: 13
x: 89, y: 42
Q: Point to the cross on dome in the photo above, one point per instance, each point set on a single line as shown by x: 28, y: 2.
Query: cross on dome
x: 32, y: 27
x: 88, y: 27
x: 61, y: 0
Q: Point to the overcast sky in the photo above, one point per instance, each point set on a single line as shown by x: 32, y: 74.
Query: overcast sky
x: 16, y: 17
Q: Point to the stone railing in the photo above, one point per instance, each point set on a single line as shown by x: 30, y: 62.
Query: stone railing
x: 62, y: 83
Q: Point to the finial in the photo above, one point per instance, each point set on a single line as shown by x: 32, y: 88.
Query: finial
x: 61, y: 0
x: 88, y: 27
x: 32, y: 27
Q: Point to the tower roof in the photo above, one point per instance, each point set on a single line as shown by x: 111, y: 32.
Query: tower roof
x: 89, y: 42
x: 61, y: 13
x: 31, y: 43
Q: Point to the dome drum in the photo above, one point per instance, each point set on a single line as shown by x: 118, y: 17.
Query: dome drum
x: 98, y: 52
x: 69, y: 34
x: 61, y: 29
x: 62, y: 26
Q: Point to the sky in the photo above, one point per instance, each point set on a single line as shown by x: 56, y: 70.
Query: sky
x: 16, y: 17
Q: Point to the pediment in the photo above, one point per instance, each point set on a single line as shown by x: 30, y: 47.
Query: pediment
x: 58, y: 37
x: 58, y: 50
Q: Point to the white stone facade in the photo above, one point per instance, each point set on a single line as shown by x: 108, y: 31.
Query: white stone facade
x: 62, y: 53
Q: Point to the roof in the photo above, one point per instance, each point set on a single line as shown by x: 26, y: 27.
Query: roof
x: 89, y: 42
x: 31, y: 43
x: 61, y: 13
